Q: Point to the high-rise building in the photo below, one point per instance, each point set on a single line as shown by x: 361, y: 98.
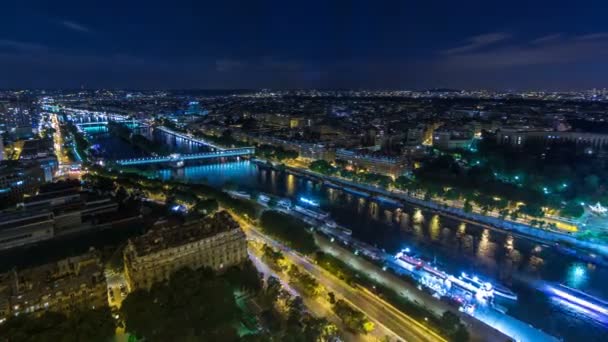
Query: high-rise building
x: 216, y: 242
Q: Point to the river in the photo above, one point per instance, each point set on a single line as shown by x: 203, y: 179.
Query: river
x: 455, y: 245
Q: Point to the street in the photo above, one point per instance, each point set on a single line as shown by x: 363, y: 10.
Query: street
x: 384, y: 315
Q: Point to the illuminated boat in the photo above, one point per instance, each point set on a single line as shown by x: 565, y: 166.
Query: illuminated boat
x: 408, y: 258
x: 263, y: 199
x: 579, y: 298
x: 316, y: 214
x: 284, y: 204
x: 464, y: 281
x: 331, y: 185
x: 331, y: 224
x: 356, y: 192
x: 239, y: 194
x: 309, y: 201
x: 387, y: 200
x: 478, y: 282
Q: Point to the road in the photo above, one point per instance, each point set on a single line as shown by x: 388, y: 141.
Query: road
x: 62, y: 155
x: 485, y: 325
x: 316, y: 306
x: 380, y: 312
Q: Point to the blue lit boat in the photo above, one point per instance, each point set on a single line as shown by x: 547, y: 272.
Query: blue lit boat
x: 499, y: 290
x: 579, y: 298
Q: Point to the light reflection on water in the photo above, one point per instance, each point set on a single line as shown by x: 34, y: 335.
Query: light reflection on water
x: 458, y: 245
x: 577, y: 274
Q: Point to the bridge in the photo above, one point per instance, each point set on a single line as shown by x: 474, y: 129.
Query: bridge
x: 180, y: 158
x: 105, y: 123
x: 80, y: 116
x: 189, y: 138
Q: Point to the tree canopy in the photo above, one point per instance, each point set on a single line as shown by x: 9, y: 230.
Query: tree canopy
x: 95, y: 325
x: 191, y: 305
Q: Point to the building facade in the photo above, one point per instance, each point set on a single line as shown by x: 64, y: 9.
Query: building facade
x: 216, y: 242
x: 392, y: 166
x: 518, y: 138
x: 449, y: 139
x: 48, y: 215
x: 64, y: 286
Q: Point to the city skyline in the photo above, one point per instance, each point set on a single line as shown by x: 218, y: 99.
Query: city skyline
x: 303, y: 171
x: 540, y: 46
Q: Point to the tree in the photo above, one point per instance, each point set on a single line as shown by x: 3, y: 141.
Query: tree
x: 467, y: 207
x: 332, y: 297
x: 292, y: 231
x: 532, y: 209
x: 191, y: 305
x: 573, y: 209
x: 354, y: 319
x: 273, y: 289
x: 296, y: 308
x: 318, y: 329
x: 304, y: 281
x: 206, y: 207
x: 245, y: 276
x: 450, y: 323
x: 322, y: 166
x: 96, y: 325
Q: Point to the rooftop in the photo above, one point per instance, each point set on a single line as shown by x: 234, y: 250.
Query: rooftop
x: 66, y: 275
x: 165, y: 237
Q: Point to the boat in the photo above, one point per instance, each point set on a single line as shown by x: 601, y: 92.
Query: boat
x: 263, y: 199
x: 410, y: 259
x: 316, y: 214
x: 387, y: 200
x: 467, y: 282
x: 284, y: 203
x: 331, y: 185
x: 309, y: 201
x: 331, y: 224
x: 356, y: 192
x: 239, y: 194
x: 498, y: 289
x: 579, y: 298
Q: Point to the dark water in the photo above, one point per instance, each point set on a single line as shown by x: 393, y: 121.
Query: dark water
x: 109, y: 146
x: 516, y: 262
x: 455, y: 245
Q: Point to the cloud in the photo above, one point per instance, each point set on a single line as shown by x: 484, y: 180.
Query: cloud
x: 548, y: 50
x: 547, y: 38
x: 594, y: 36
x: 478, y: 42
x: 75, y: 26
x: 21, y: 46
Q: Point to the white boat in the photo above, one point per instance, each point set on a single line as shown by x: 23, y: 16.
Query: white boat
x: 239, y: 194
x: 331, y: 225
x: 284, y: 204
x: 498, y: 289
x: 263, y: 199
x: 316, y: 214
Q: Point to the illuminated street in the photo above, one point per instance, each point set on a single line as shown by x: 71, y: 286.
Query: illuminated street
x: 382, y: 313
x: 320, y: 307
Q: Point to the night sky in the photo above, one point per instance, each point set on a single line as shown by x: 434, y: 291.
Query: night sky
x: 405, y: 44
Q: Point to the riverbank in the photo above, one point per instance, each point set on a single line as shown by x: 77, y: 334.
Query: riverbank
x: 520, y: 229
x: 478, y: 325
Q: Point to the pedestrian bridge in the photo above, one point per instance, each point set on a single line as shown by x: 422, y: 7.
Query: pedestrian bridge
x: 180, y: 158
